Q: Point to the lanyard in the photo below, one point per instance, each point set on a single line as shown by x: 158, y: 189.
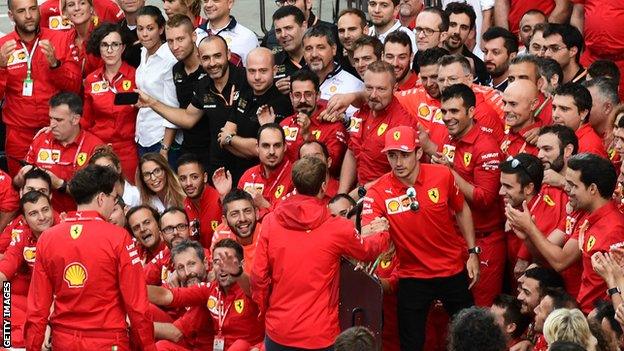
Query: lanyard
x: 30, y: 57
x: 69, y: 163
x: 279, y: 176
x: 111, y: 85
x: 222, y: 312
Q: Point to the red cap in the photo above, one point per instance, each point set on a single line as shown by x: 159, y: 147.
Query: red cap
x: 402, y: 138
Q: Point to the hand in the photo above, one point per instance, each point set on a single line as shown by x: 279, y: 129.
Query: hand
x: 48, y: 51
x: 6, y: 51
x: 524, y: 345
x: 283, y: 85
x: 520, y: 267
x: 144, y: 100
x: 164, y: 153
x: 173, y: 280
x: 43, y: 130
x: 228, y: 263
x: 441, y: 159
x: 265, y: 115
x: 303, y: 121
x: 47, y: 343
x: 531, y: 136
x: 222, y: 181
x: 56, y: 181
x: 336, y: 107
x: 607, y: 267
x: 228, y: 129
x: 520, y: 220
x: 377, y: 225
x: 472, y: 265
x: 553, y: 178
x: 619, y: 314
x: 259, y: 200
x: 18, y: 180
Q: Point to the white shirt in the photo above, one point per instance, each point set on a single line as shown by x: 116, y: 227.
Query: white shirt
x: 157, y: 204
x: 397, y: 26
x: 340, y: 81
x: 155, y: 77
x: 240, y: 39
x: 479, y: 6
x: 131, y: 195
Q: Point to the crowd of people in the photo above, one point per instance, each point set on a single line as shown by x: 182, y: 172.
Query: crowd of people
x: 175, y: 183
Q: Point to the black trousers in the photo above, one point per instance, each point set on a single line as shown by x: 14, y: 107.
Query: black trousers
x: 415, y: 297
x: 270, y: 345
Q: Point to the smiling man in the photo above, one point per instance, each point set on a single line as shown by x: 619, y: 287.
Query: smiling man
x: 383, y: 15
x: 521, y: 100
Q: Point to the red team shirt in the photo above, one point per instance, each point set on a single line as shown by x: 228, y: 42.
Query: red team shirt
x: 223, y: 231
x: 208, y: 214
x: 514, y: 142
x: 106, y: 10
x: 590, y: 141
x: 9, y: 199
x: 278, y: 184
x: 517, y: 8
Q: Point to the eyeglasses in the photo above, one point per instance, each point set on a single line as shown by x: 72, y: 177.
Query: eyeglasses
x: 114, y: 46
x: 427, y: 31
x: 285, y: 2
x: 307, y: 95
x: 157, y: 172
x: 451, y: 80
x: 552, y: 48
x: 179, y: 228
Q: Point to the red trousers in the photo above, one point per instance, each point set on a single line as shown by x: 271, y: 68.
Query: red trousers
x: 74, y: 340
x: 16, y: 146
x: 492, y: 257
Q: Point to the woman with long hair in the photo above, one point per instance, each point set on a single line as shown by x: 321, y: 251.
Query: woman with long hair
x: 105, y: 156
x: 158, y: 185
x: 114, y: 124
x: 82, y: 16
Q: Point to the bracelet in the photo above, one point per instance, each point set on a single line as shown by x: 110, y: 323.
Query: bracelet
x: 238, y: 274
x: 613, y: 291
x: 164, y: 147
x: 228, y: 139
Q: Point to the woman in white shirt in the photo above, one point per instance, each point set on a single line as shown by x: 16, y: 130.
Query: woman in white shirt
x: 158, y: 185
x: 154, y: 76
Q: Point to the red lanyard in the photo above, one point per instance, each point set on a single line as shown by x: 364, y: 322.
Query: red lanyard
x: 111, y: 85
x: 279, y: 176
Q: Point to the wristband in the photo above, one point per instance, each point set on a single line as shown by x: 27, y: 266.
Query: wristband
x: 239, y: 273
x: 613, y: 291
x: 164, y: 147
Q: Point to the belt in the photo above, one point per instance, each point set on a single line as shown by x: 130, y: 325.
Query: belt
x: 112, y: 333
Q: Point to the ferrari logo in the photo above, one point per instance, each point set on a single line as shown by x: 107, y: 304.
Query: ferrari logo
x: 434, y: 195
x: 590, y: 243
x: 126, y: 85
x: 467, y: 158
x: 279, y: 192
x: 384, y: 264
x: 396, y: 135
x: 549, y: 201
x: 75, y: 231
x: 611, y: 153
x: 317, y: 134
x: 75, y: 275
x: 381, y: 129
x: 81, y: 158
x: 239, y: 305
x: 213, y: 225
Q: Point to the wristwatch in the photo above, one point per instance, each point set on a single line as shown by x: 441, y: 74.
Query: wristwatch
x: 228, y: 139
x: 164, y: 147
x: 475, y: 250
x: 613, y: 291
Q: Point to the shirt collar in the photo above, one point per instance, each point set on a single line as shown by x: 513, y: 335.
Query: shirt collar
x: 471, y: 136
x: 602, y: 212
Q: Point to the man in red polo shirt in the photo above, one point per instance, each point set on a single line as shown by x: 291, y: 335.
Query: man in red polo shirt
x: 143, y: 222
x: 474, y: 157
x: 590, y: 181
x: 526, y: 67
x: 319, y: 150
x: 62, y: 150
x: 521, y: 101
x: 270, y: 180
x: 571, y: 104
x: 425, y: 208
x: 202, y: 203
x: 304, y: 125
x: 364, y: 161
x: 398, y: 52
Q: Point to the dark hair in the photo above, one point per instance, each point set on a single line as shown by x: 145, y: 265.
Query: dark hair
x: 173, y: 209
x: 565, y: 135
x: 231, y: 244
x: 179, y: 20
x: 444, y: 24
x: 604, y: 309
x: 367, y: 40
x: 456, y: 8
x: 595, y: 170
x: 320, y: 31
x: 460, y: 91
x: 431, y: 56
x: 535, y: 12
x: 604, y: 68
x: 38, y: 173
x: 88, y: 182
x: 289, y: 10
x: 570, y: 35
x: 72, y: 100
x: 274, y: 126
x: 305, y: 75
x: 474, y: 328
x: 565, y: 346
x: 156, y: 14
x: 511, y: 42
x: 31, y: 197
x: 189, y: 158
x: 319, y: 143
x: 513, y: 313
x: 357, y: 12
x: 149, y: 208
x: 355, y: 339
x: 235, y: 195
x: 546, y: 277
x: 448, y: 60
x: 187, y: 244
x: 560, y: 298
x: 340, y: 196
x: 527, y: 168
x: 100, y: 32
x: 308, y: 174
x: 399, y: 37
x: 548, y: 67
x: 525, y: 58
x: 580, y: 94
x: 210, y: 38
x: 607, y: 88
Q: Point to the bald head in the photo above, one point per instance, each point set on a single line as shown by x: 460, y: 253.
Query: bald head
x: 260, y: 70
x: 521, y: 101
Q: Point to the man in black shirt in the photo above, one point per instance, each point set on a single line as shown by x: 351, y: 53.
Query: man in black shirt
x: 290, y: 25
x: 130, y: 8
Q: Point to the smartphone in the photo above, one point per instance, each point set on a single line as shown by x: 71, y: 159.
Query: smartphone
x: 126, y: 98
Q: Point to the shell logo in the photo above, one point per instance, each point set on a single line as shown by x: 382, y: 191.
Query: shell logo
x: 212, y: 304
x: 75, y: 275
x: 54, y: 23
x: 394, y: 206
x: 333, y: 89
x: 424, y: 111
x: 21, y: 55
x: 43, y: 155
x: 29, y: 254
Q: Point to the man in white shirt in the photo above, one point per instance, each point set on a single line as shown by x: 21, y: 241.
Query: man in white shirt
x: 240, y: 39
x: 319, y: 49
x: 383, y: 16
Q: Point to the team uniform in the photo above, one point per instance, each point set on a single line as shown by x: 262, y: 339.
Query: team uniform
x: 590, y: 141
x: 25, y: 108
x: 9, y: 199
x: 476, y: 158
x: 63, y: 160
x: 95, y: 280
x: 278, y: 184
x: 514, y: 142
x: 114, y: 124
x: 396, y: 26
x: 223, y: 231
x: 240, y: 39
x: 204, y: 216
x: 387, y: 269
x: 52, y: 18
x: 517, y: 8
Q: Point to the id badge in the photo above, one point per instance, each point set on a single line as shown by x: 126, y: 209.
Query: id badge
x: 219, y: 343
x: 27, y: 87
